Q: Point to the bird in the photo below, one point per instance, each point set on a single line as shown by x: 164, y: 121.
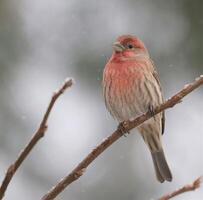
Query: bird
x: 131, y: 87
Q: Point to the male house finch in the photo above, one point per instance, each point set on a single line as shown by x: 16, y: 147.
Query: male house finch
x: 131, y: 87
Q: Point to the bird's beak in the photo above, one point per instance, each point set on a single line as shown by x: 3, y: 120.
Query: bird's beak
x: 118, y: 47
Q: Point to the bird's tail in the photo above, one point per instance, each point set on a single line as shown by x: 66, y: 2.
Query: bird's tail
x: 153, y: 141
x: 161, y: 167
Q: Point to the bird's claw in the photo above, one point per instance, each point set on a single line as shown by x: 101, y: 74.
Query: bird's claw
x: 151, y: 110
x: 122, y: 127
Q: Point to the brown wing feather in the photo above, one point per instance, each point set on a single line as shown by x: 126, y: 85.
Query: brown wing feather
x: 156, y: 76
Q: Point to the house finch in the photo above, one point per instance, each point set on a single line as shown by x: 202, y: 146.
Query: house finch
x: 131, y: 87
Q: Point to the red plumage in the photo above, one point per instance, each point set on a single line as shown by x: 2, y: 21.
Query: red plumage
x: 131, y: 87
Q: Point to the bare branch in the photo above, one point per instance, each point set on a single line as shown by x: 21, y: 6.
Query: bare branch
x: 80, y: 169
x: 36, y: 137
x: 187, y: 188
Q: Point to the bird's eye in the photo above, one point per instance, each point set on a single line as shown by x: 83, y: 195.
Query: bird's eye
x: 130, y: 46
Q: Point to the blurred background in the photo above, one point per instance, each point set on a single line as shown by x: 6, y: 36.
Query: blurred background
x: 44, y: 41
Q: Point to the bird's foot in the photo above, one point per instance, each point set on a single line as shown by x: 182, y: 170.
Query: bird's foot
x: 122, y: 127
x: 151, y: 110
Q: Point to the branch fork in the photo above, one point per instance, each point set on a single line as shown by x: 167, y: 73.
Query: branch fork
x: 82, y: 166
x: 34, y: 140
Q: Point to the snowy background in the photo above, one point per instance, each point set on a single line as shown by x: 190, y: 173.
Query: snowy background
x: 44, y: 41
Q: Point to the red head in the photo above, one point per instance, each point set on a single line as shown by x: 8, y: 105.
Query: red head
x: 129, y: 46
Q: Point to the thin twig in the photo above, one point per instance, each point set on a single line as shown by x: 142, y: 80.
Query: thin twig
x: 187, y: 188
x: 36, y: 137
x: 81, y: 167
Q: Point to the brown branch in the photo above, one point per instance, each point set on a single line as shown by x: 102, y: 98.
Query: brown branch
x: 81, y: 167
x: 36, y: 137
x: 187, y: 188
